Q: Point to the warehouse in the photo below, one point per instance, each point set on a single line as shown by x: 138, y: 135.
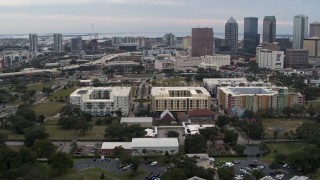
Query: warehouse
x: 142, y: 121
x: 154, y: 146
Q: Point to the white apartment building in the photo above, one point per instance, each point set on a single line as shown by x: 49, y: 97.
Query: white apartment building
x: 269, y: 59
x: 100, y: 101
x: 179, y: 98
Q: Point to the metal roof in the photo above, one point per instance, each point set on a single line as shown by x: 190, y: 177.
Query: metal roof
x: 112, y: 145
x: 154, y: 142
x: 135, y: 119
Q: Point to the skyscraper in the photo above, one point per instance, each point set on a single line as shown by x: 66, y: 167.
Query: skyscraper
x: 269, y: 29
x: 76, y: 45
x: 231, y: 35
x: 251, y: 37
x: 169, y: 39
x: 202, y: 41
x: 57, y: 43
x: 33, y: 41
x: 300, y: 30
x: 314, y: 29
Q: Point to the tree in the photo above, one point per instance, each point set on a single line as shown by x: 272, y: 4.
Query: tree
x: 226, y: 173
x: 174, y: 174
x: 60, y: 162
x: 195, y: 144
x: 248, y: 114
x: 274, y: 165
x: 40, y: 118
x: 308, y: 160
x: 222, y: 121
x: 26, y: 156
x: 280, y: 158
x: 258, y: 174
x: 239, y: 148
x: 172, y: 134
x: 83, y: 126
x: 209, y: 133
x: 135, y: 161
x: 230, y: 137
x: 102, y: 176
x: 43, y: 148
x: 144, y: 151
x: 119, y: 151
x: 34, y: 133
x: 3, y: 138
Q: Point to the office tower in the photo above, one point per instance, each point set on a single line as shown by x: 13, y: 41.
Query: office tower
x: 296, y: 58
x: 314, y: 29
x: 313, y: 47
x: 231, y: 34
x: 76, y: 45
x: 33, y: 41
x: 129, y: 40
x: 141, y: 41
x: 300, y: 31
x: 169, y: 39
x: 57, y: 43
x: 269, y: 29
x: 251, y: 37
x: 187, y: 42
x: 202, y: 41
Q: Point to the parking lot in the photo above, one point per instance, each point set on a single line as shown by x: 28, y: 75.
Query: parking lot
x: 248, y: 165
x: 113, y: 164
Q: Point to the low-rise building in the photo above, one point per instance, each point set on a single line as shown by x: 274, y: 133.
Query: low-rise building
x: 235, y: 99
x: 142, y: 121
x: 217, y: 60
x: 121, y: 65
x: 163, y: 64
x: 108, y: 147
x: 197, y: 115
x: 179, y: 98
x: 154, y: 146
x: 100, y: 101
x: 187, y: 63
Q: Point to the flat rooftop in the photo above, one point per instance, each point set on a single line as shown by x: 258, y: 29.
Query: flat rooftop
x: 135, y: 119
x: 164, y: 91
x: 154, y: 142
x: 248, y: 90
x: 115, y: 91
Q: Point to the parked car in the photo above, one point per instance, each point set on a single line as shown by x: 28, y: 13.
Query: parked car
x: 154, y: 163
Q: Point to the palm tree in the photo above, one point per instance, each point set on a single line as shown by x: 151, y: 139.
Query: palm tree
x: 144, y: 152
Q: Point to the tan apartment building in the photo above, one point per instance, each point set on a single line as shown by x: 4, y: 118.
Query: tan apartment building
x: 179, y: 99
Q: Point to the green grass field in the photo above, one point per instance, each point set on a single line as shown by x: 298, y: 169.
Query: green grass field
x: 94, y: 174
x: 47, y: 109
x: 62, y: 93
x: 170, y: 82
x: 58, y: 133
x: 269, y: 125
x: 37, y: 86
x: 285, y: 148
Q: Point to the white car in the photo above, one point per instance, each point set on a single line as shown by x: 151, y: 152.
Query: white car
x: 154, y: 163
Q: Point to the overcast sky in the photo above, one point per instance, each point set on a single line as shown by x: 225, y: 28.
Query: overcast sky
x: 76, y: 16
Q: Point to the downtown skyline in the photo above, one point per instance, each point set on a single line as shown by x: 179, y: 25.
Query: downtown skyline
x: 107, y: 16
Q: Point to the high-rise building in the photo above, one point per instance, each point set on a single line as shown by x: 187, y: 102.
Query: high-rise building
x: 231, y: 34
x: 314, y: 29
x: 300, y: 30
x: 169, y: 39
x: 313, y: 47
x: 202, y: 41
x: 141, y: 41
x: 33, y: 41
x: 269, y: 29
x: 271, y: 59
x: 57, y: 43
x: 251, y: 37
x: 76, y: 45
x: 186, y: 42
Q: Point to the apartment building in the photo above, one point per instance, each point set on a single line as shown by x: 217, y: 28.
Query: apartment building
x: 100, y: 101
x: 180, y: 99
x: 257, y: 98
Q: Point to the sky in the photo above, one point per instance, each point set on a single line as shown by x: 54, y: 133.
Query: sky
x: 112, y: 16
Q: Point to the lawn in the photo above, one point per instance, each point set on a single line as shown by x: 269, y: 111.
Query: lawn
x: 62, y: 93
x: 37, y: 86
x: 47, y: 109
x: 270, y: 125
x: 167, y: 82
x: 95, y: 173
x: 12, y: 135
x: 285, y: 148
x: 58, y: 133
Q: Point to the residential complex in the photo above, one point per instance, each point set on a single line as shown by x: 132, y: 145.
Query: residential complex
x: 238, y: 99
x: 100, y: 101
x: 231, y: 35
x: 179, y: 98
x: 202, y: 41
x: 300, y: 31
x: 269, y: 58
x: 269, y: 29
